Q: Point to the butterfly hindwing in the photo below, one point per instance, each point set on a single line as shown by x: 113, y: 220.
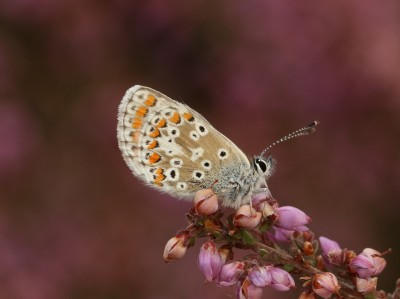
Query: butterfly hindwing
x: 172, y: 147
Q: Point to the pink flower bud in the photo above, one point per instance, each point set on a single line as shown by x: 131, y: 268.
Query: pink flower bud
x: 379, y: 261
x: 205, y: 202
x: 291, y: 218
x: 260, y: 203
x: 328, y: 245
x: 249, y: 291
x: 247, y: 217
x: 230, y: 274
x: 366, y: 286
x: 325, y: 284
x: 175, y: 248
x: 368, y: 263
x: 260, y: 277
x: 277, y: 234
x: 210, y: 262
x: 280, y: 279
x: 259, y: 197
x: 332, y: 253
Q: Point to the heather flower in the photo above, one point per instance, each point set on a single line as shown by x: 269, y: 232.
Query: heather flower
x: 247, y: 217
x: 260, y: 204
x: 209, y: 260
x: 291, y: 218
x: 258, y: 198
x: 247, y: 290
x: 277, y: 234
x: 280, y: 279
x: 325, y: 284
x: 368, y: 263
x: 205, y: 202
x: 175, y: 248
x: 230, y: 273
x: 328, y: 246
x: 331, y: 251
x: 260, y: 277
x: 366, y: 286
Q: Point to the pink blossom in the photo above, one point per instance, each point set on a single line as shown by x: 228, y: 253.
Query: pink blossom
x: 368, y: 263
x: 366, y: 286
x: 247, y: 290
x: 230, y: 273
x: 205, y: 202
x: 209, y: 261
x: 277, y: 234
x: 247, y: 217
x: 280, y: 279
x: 332, y: 253
x: 325, y: 284
x: 260, y: 277
x: 291, y: 218
x: 175, y: 248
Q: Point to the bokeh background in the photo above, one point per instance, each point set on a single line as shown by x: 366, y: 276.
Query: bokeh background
x: 74, y: 222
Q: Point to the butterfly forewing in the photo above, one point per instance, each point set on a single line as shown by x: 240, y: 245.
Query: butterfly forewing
x: 172, y: 147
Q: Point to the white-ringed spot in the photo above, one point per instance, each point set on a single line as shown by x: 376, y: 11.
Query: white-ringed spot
x: 156, y: 120
x: 222, y: 154
x: 207, y: 165
x: 196, y: 153
x: 203, y: 131
x: 194, y: 135
x: 173, y: 131
x: 140, y: 96
x: 198, y: 175
x: 172, y: 174
x: 130, y: 108
x: 181, y: 186
x: 176, y: 162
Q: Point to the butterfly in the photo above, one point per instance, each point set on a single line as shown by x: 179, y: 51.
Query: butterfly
x: 174, y: 149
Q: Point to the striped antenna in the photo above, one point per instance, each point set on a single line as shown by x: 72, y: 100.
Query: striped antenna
x: 307, y: 130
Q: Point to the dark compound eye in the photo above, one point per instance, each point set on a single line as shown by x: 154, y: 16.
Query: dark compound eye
x: 261, y: 165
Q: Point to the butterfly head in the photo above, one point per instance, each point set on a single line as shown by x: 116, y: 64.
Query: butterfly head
x: 264, y: 166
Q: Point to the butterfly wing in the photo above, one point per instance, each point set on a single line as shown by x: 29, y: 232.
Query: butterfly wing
x: 171, y: 147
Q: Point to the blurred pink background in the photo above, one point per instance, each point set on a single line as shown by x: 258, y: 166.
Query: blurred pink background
x: 75, y: 223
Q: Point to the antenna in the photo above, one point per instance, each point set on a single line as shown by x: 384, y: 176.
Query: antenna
x: 307, y: 130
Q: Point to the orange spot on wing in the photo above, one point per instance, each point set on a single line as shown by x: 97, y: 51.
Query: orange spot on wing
x: 188, y: 116
x: 161, y: 123
x: 151, y: 101
x: 154, y: 158
x: 137, y: 123
x: 142, y: 111
x: 175, y: 118
x: 159, y: 176
x: 153, y: 144
x: 155, y: 133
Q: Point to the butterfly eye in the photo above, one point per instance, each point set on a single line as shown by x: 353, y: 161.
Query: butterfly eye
x: 260, y: 165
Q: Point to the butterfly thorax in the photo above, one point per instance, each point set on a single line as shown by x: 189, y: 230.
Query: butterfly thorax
x: 239, y: 185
